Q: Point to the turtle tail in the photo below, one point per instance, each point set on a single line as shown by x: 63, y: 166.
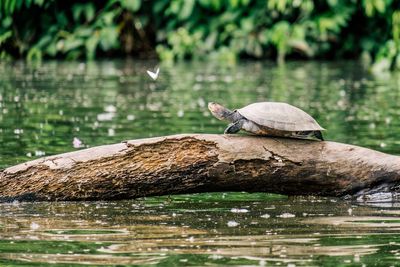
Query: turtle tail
x: 318, y: 135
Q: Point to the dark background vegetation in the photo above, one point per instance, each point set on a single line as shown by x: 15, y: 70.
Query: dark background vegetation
x: 187, y: 29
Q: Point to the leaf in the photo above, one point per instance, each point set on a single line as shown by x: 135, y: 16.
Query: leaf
x: 39, y: 2
x: 131, y: 5
x: 89, y: 11
x: 211, y: 40
x: 187, y: 9
x: 333, y: 3
x: 7, y: 22
x: 234, y: 3
x: 247, y: 24
x: 216, y: 4
x: 12, y: 6
x: 34, y: 54
x: 83, y: 31
x: 108, y: 38
x: 108, y: 18
x: 62, y: 20
x: 159, y: 6
x: 71, y: 44
x: 44, y: 41
x: 77, y: 11
x: 19, y: 4
x: 91, y: 46
x: 5, y: 36
x: 51, y: 49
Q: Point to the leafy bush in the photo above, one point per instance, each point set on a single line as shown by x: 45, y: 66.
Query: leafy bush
x: 68, y: 29
x: 183, y: 29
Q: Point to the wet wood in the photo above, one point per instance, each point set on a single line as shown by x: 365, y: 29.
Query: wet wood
x: 203, y: 163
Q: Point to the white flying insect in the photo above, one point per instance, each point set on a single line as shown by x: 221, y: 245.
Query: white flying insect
x: 153, y: 75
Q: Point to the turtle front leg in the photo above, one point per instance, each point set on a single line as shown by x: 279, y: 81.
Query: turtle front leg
x: 234, y: 127
x: 318, y: 135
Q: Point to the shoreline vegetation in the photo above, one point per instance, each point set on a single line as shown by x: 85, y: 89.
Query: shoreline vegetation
x: 206, y: 29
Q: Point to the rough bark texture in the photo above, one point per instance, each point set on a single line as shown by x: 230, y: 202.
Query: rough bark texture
x: 200, y: 163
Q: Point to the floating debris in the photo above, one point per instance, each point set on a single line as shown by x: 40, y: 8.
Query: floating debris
x: 130, y: 117
x: 39, y: 153
x: 105, y: 116
x: 180, y: 113
x: 76, y: 143
x: 18, y: 131
x: 110, y: 109
x: 235, y: 210
x: 232, y: 224
x: 286, y: 215
x: 34, y: 226
x: 111, y: 132
x: 350, y: 211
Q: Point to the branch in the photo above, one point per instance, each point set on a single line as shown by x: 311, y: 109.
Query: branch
x: 191, y: 163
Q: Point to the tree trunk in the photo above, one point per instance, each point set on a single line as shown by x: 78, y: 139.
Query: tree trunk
x: 203, y: 163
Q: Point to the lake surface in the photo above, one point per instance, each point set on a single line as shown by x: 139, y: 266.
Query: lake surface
x: 44, y: 108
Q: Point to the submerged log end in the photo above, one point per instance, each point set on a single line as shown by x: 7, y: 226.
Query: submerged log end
x: 190, y: 163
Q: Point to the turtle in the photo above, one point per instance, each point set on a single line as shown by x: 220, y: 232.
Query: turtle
x: 269, y: 118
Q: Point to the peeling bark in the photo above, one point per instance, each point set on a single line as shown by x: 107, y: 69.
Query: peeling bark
x: 203, y: 163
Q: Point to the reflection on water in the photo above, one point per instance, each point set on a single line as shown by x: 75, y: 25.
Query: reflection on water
x: 194, y: 230
x: 59, y: 107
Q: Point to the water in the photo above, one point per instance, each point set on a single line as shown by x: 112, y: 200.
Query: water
x: 44, y: 108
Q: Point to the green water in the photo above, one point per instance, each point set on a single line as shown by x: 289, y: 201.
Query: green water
x: 43, y: 108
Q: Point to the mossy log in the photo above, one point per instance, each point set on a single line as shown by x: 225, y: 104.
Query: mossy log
x: 191, y: 163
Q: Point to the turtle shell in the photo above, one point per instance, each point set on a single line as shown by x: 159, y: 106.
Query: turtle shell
x: 280, y: 116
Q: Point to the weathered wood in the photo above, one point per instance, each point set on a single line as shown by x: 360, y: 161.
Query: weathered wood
x: 203, y: 162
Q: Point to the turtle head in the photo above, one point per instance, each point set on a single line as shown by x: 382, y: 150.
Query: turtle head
x: 219, y: 111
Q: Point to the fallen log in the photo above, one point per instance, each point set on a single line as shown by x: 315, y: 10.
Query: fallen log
x: 191, y: 163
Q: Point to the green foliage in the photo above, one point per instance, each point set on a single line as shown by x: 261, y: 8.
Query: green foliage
x: 183, y: 29
x: 76, y: 29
